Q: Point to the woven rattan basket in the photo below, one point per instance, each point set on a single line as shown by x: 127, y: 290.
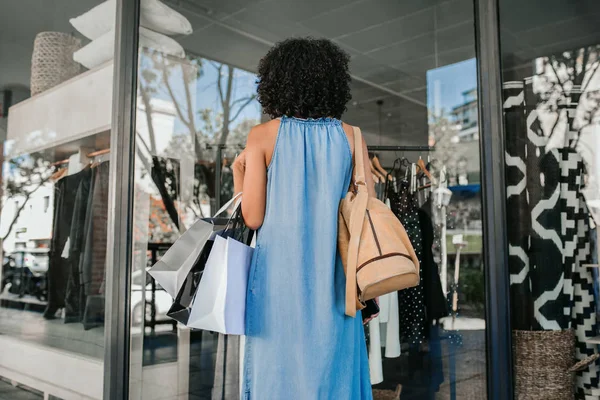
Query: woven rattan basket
x: 52, y: 60
x: 543, y: 360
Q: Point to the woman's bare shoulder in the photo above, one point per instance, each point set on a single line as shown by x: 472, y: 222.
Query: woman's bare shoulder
x: 263, y: 137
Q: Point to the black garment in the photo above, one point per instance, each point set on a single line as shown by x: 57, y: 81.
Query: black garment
x: 65, y: 192
x: 411, y: 301
x: 93, y: 258
x: 435, y: 301
x: 75, y: 295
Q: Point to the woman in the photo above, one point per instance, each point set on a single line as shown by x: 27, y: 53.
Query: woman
x: 293, y: 174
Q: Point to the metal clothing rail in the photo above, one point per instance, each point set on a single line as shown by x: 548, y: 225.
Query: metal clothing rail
x: 224, y: 146
x: 400, y: 148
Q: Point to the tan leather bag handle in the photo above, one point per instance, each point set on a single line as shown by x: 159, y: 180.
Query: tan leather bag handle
x: 356, y: 222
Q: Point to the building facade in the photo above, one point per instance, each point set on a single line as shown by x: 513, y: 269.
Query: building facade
x: 120, y: 121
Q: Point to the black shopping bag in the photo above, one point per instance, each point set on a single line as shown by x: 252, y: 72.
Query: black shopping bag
x: 180, y: 310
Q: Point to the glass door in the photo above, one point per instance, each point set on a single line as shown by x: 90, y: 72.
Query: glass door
x: 56, y: 77
x: 414, y: 94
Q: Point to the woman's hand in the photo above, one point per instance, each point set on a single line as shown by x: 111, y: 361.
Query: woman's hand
x: 372, y: 317
x: 239, y: 171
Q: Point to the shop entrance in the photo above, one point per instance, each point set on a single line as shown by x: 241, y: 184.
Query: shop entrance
x: 414, y: 94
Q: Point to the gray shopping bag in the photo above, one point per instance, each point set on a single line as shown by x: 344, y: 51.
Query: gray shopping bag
x: 173, y: 268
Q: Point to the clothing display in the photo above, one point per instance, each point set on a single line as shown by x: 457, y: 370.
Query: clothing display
x: 77, y: 268
x: 65, y: 193
x: 411, y: 301
x: 75, y: 294
x: 301, y: 185
x: 409, y: 316
x: 93, y: 261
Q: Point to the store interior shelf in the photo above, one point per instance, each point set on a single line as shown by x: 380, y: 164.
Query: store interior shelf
x: 64, y: 115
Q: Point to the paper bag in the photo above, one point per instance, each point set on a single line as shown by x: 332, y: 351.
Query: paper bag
x: 220, y: 301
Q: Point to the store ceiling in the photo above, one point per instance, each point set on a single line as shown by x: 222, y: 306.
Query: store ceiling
x: 393, y: 43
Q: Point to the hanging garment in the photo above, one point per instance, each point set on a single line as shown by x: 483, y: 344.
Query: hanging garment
x: 58, y: 267
x: 375, y: 361
x: 411, y: 302
x: 75, y: 294
x: 299, y: 342
x: 390, y: 324
x: 435, y: 301
x: 93, y: 260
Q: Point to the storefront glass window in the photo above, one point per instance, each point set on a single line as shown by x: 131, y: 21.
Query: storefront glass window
x: 414, y: 94
x: 55, y: 118
x: 551, y: 87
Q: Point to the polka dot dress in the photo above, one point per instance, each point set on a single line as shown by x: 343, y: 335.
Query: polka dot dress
x: 411, y: 301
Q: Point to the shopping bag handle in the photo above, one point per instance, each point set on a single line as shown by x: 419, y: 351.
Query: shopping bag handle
x: 229, y: 203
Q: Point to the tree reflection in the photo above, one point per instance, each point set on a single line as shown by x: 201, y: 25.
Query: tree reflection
x: 177, y: 126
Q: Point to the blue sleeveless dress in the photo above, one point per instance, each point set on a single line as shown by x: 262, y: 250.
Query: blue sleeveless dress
x: 300, y: 345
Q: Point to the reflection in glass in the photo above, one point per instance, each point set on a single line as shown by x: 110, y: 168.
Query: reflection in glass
x: 414, y: 84
x: 551, y: 113
x: 55, y: 118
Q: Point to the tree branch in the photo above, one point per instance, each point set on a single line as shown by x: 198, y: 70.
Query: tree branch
x: 21, y: 207
x: 148, y: 112
x: 172, y: 95
x: 237, y: 114
x: 219, y: 85
x: 192, y: 125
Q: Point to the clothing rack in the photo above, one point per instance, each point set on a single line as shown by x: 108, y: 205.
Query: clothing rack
x: 401, y: 148
x: 89, y: 155
x: 98, y: 153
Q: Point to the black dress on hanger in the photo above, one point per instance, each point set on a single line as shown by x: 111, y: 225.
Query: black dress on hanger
x: 411, y: 301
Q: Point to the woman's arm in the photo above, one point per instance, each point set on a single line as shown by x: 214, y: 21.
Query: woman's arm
x: 250, y: 177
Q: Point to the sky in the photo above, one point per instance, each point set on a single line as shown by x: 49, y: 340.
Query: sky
x: 452, y: 80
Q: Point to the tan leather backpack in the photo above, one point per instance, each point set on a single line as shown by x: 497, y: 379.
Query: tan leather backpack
x: 376, y: 252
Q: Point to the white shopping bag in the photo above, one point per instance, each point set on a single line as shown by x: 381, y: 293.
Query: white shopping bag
x: 174, y: 266
x: 220, y: 301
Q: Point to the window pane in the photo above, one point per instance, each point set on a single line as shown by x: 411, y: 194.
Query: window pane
x: 551, y: 85
x: 414, y: 94
x: 55, y: 115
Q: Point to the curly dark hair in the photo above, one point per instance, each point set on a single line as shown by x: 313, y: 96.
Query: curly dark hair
x: 304, y: 78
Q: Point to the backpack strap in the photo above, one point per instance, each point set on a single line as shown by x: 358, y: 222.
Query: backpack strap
x: 357, y: 220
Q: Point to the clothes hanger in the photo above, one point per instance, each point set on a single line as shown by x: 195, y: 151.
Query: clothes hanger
x: 423, y: 168
x: 374, y: 171
x: 56, y: 176
x: 378, y: 167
